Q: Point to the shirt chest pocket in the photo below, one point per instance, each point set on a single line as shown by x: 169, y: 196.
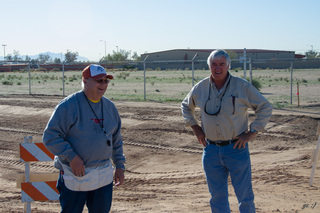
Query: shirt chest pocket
x: 233, y: 104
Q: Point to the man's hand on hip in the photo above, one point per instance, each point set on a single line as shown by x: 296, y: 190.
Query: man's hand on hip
x: 200, y: 134
x: 77, y: 166
x: 243, y: 139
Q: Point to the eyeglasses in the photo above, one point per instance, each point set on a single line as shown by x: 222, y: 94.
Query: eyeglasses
x: 205, y: 105
x: 100, y: 81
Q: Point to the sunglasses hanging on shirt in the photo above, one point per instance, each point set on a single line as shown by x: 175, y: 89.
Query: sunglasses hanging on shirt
x: 205, y: 105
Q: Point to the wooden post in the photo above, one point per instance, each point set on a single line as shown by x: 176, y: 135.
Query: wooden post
x: 298, y: 94
x: 27, y: 205
x: 316, y: 156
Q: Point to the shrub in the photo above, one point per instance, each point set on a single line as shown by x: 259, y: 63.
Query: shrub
x: 256, y: 83
x: 123, y: 75
x: 7, y: 83
x: 72, y: 78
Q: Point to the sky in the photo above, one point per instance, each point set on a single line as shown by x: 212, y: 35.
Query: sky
x: 95, y: 27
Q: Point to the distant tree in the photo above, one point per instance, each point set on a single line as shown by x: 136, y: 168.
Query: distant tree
x: 121, y: 55
x: 104, y: 59
x: 44, y: 58
x: 27, y: 58
x: 16, y: 56
x: 71, y: 57
x: 9, y: 57
x: 57, y: 61
x: 34, y: 63
x: 312, y: 54
x: 135, y: 57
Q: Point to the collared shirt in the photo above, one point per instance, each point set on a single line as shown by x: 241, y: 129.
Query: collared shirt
x: 235, y: 100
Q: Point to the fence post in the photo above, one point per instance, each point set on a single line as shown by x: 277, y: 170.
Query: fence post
x: 63, y: 78
x: 298, y: 94
x: 250, y: 67
x: 245, y: 63
x: 193, y: 68
x: 144, y: 76
x: 291, y: 71
x: 29, y: 79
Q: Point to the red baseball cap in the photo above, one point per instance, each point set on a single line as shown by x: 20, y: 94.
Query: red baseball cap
x: 95, y: 72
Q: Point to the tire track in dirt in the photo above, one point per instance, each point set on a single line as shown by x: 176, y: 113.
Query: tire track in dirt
x: 6, y: 129
x: 9, y: 158
x: 277, y: 176
x: 126, y: 142
x: 162, y: 147
x: 139, y: 187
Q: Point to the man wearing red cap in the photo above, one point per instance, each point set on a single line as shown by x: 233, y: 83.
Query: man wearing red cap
x: 84, y: 134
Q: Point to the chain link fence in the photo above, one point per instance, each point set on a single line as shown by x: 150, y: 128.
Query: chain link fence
x: 284, y: 83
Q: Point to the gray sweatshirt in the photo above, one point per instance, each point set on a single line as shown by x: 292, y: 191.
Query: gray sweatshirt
x: 74, y: 129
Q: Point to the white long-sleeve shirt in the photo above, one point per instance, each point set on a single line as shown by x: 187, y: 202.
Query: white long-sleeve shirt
x: 232, y: 120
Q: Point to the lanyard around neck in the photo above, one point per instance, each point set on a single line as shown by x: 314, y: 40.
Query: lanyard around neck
x: 205, y: 105
x: 101, y: 123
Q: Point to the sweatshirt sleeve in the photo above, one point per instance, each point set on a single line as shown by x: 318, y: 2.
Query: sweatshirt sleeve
x: 118, y: 157
x: 56, y: 131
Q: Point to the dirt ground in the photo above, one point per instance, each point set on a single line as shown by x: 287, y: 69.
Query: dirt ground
x: 164, y: 171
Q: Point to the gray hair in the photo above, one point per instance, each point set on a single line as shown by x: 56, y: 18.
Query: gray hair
x: 216, y: 54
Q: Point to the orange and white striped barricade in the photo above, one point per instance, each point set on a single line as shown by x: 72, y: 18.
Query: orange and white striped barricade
x: 315, y: 157
x: 36, y: 187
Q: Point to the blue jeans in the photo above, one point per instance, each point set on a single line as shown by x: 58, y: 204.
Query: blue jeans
x: 98, y: 200
x: 218, y: 163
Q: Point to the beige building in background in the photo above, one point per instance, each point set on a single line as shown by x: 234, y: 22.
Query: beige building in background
x: 182, y: 58
x: 188, y: 54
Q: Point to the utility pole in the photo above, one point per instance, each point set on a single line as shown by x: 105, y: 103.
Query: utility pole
x: 4, y: 51
x: 105, y: 49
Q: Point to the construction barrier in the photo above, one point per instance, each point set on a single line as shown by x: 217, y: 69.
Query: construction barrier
x: 36, y: 187
x: 39, y: 191
x: 315, y: 157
